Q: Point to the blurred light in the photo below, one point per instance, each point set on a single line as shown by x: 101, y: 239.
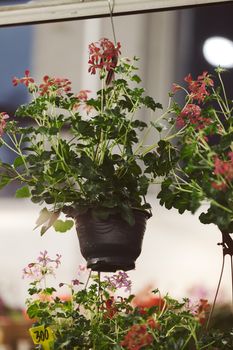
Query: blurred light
x: 218, y: 51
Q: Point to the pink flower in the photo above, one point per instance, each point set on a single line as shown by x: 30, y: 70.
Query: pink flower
x: 219, y: 186
x: 15, y: 81
x: 192, y: 115
x: 119, y: 280
x: 103, y: 55
x: 3, y: 117
x: 75, y: 282
x: 198, y: 88
x: 137, y: 337
x: 26, y: 80
x: 83, y: 95
x: 57, y: 86
x: 176, y: 87
x: 224, y: 168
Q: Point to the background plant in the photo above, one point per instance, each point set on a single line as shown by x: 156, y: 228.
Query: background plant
x: 95, y: 315
x: 202, y: 151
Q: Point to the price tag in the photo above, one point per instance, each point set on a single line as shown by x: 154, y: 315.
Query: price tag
x: 42, y: 335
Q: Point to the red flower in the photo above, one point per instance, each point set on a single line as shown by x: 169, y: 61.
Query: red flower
x: 176, y: 87
x: 54, y: 86
x: 191, y: 114
x: 146, y: 299
x: 83, y: 95
x: 103, y: 55
x: 224, y: 168
x: 137, y: 337
x: 26, y: 80
x: 15, y: 81
x: 198, y: 88
x: 152, y: 323
x: 3, y: 117
x: 202, y: 311
x: 110, y: 308
x: 219, y: 186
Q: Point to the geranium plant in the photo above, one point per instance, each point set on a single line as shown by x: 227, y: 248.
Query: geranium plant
x: 83, y: 150
x: 95, y: 316
x: 202, y: 151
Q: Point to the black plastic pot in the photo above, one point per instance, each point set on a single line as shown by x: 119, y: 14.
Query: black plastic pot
x: 112, y: 244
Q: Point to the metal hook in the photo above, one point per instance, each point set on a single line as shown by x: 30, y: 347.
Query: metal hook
x: 111, y: 4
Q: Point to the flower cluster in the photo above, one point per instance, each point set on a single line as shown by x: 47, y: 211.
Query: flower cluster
x: 103, y: 55
x: 56, y: 86
x: 43, y: 267
x: 137, y: 337
x: 27, y: 80
x: 191, y: 115
x: 223, y: 168
x: 198, y: 89
x: 92, y: 316
x: 121, y: 280
x: 49, y: 87
x: 201, y: 151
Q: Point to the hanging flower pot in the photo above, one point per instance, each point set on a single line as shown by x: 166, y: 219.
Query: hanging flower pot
x: 112, y: 244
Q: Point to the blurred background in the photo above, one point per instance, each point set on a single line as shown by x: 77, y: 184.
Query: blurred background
x: 180, y: 255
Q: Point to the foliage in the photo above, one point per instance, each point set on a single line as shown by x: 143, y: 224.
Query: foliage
x: 81, y: 151
x: 201, y: 152
x: 95, y: 316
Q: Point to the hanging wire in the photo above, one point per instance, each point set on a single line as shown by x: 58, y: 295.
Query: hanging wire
x: 216, y: 294
x: 111, y: 4
x: 88, y: 279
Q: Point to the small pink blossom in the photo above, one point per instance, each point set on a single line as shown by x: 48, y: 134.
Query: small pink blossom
x: 27, y: 80
x: 83, y: 95
x: 82, y: 98
x: 3, y: 117
x: 119, y: 280
x: 75, y: 282
x: 176, y: 87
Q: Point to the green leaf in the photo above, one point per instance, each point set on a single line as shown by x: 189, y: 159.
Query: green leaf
x: 18, y: 162
x: 150, y: 103
x: 4, y: 180
x: 136, y: 78
x: 23, y: 192
x: 63, y: 226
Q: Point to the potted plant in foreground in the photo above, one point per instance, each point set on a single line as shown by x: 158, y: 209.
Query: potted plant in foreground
x: 95, y: 316
x: 202, y: 152
x: 86, y: 156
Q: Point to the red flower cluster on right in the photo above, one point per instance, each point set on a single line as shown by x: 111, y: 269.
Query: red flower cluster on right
x: 198, y: 91
x: 199, y: 88
x: 225, y: 169
x: 191, y: 113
